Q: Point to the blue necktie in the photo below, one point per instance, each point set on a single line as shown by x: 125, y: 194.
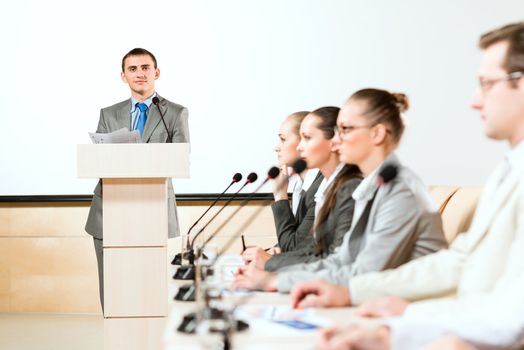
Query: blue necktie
x: 141, y: 123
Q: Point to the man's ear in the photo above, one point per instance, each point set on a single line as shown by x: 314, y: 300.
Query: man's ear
x: 123, y: 77
x: 157, y: 73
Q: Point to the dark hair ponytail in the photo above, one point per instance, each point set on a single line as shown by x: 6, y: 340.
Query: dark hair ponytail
x: 348, y: 172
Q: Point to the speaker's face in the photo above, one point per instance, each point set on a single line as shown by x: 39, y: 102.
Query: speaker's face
x: 140, y: 74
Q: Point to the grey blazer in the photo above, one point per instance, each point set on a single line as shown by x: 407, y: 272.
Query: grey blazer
x: 330, y: 234
x: 294, y: 232
x: 119, y: 116
x: 404, y: 224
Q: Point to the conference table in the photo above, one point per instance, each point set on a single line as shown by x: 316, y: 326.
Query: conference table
x: 263, y: 330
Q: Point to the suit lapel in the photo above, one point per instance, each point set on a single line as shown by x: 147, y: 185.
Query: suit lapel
x: 123, y: 117
x: 308, y: 196
x: 302, y: 206
x: 153, y: 119
x: 493, y: 200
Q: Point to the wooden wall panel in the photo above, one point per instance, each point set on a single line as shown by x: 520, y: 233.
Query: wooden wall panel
x: 43, y: 220
x: 55, y: 274
x: 48, y: 263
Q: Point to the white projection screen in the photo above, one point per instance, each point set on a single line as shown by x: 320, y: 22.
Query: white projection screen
x: 241, y: 66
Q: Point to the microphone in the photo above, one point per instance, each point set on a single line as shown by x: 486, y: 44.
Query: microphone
x: 187, y: 292
x: 388, y: 173
x: 298, y: 166
x: 251, y: 218
x: 178, y: 258
x: 252, y: 177
x: 271, y: 174
x: 156, y: 102
x: 187, y: 272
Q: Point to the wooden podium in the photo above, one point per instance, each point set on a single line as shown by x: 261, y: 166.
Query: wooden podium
x: 135, y: 213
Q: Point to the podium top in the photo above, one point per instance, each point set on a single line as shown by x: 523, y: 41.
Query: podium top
x: 140, y: 160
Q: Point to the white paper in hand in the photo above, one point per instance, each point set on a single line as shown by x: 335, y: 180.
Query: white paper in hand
x: 119, y: 136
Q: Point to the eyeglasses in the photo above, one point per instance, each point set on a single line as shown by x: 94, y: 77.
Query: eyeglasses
x: 487, y: 84
x: 344, y: 130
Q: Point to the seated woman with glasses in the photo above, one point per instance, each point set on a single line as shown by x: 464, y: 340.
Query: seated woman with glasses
x: 394, y: 222
x: 332, y: 204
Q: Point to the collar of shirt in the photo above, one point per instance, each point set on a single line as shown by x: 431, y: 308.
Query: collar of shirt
x: 324, y: 185
x: 298, y: 185
x: 148, y: 102
x: 516, y: 155
x: 135, y: 111
x: 310, y: 177
x: 365, y: 189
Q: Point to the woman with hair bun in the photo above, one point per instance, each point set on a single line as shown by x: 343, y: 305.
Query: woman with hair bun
x: 394, y: 222
x: 332, y: 204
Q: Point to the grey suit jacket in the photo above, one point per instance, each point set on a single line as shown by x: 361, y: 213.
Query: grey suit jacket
x: 119, y: 116
x: 404, y: 224
x: 294, y: 232
x: 330, y: 234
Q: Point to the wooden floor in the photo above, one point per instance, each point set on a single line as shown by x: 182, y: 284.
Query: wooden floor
x: 51, y: 332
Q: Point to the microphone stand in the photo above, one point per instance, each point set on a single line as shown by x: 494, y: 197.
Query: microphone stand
x: 156, y: 102
x: 187, y: 292
x: 178, y: 257
x: 187, y: 272
x: 189, y: 322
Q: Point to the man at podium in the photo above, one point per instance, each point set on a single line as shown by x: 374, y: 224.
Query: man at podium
x: 158, y: 121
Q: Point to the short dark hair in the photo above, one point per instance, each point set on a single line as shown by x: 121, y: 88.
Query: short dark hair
x: 514, y: 35
x: 137, y: 51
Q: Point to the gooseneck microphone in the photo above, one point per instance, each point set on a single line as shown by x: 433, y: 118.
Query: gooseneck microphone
x: 271, y: 174
x: 178, y: 258
x: 187, y: 272
x: 298, y: 166
x: 250, y: 179
x: 236, y: 178
x: 156, y: 102
x: 187, y: 293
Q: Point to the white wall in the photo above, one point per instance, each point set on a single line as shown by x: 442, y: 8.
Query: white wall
x: 240, y: 66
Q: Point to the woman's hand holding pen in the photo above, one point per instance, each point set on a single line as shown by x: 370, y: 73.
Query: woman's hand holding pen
x: 249, y: 277
x: 256, y: 256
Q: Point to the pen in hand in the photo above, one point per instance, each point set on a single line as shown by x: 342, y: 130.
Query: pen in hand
x: 244, y: 246
x: 243, y: 243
